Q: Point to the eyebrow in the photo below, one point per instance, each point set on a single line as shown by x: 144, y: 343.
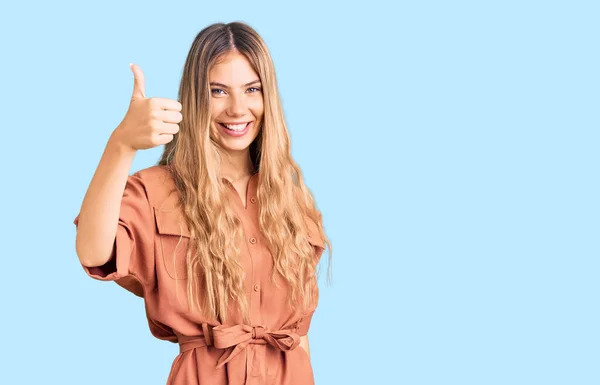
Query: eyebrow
x: 224, y: 86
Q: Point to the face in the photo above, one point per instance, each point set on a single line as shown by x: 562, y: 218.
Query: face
x: 236, y: 103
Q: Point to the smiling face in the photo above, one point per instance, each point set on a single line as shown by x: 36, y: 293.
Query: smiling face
x: 236, y: 103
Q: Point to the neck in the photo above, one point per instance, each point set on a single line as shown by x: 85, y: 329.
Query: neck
x: 236, y: 165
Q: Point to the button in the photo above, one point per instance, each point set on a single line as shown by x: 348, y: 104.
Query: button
x: 253, y: 200
x: 256, y: 287
x: 253, y: 240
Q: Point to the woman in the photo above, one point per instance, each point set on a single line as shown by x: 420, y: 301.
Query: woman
x: 222, y: 237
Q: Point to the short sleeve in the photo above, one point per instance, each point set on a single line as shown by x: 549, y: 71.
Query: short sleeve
x: 314, y: 237
x: 132, y: 261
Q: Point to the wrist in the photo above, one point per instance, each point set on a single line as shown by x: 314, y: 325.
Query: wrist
x: 115, y: 143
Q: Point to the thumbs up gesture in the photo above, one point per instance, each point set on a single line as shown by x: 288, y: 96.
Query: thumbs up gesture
x: 149, y: 122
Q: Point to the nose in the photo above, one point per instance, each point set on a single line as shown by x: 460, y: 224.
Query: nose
x: 237, y: 106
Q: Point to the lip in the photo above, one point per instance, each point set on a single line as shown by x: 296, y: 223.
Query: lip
x: 236, y: 122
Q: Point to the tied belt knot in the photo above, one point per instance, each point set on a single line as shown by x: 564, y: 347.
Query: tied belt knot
x: 258, y: 332
x: 234, y: 339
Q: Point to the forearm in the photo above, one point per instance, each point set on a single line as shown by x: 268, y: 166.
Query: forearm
x: 99, y: 213
x: 304, y: 344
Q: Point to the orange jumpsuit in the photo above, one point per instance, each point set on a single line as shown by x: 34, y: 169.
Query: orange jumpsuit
x: 264, y: 352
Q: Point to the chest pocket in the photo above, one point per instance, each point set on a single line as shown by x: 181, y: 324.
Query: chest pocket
x: 173, y: 241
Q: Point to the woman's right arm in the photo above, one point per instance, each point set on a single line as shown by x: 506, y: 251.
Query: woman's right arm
x: 99, y: 214
x: 149, y: 122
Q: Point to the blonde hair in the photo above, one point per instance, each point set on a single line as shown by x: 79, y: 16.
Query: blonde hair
x: 194, y: 161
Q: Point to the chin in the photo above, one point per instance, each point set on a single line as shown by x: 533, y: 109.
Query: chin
x: 237, y: 148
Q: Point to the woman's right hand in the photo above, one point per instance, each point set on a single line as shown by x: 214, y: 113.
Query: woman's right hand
x: 149, y: 122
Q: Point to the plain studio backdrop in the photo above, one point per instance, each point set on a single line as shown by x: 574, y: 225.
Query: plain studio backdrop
x: 451, y: 146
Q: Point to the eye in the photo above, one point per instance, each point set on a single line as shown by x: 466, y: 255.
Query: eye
x: 254, y: 88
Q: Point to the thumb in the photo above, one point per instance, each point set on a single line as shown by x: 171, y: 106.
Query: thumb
x: 139, y: 83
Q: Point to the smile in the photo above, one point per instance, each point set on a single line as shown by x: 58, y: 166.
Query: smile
x: 236, y: 130
x: 235, y: 127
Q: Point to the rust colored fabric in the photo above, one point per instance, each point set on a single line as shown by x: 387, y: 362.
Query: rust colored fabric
x: 149, y: 260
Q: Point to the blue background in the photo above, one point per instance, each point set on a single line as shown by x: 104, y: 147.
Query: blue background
x: 451, y: 146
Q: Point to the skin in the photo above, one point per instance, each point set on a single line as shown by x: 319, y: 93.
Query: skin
x: 234, y: 99
x: 149, y: 122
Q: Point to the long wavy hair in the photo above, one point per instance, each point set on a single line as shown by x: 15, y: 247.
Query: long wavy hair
x: 193, y: 158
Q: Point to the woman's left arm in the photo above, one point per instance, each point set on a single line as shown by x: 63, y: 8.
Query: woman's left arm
x: 304, y: 344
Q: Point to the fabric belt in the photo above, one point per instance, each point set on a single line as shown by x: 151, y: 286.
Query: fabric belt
x: 234, y: 339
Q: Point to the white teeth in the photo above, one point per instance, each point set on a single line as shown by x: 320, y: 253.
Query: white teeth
x: 236, y: 127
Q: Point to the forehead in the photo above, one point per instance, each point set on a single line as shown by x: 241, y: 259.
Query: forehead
x: 232, y: 69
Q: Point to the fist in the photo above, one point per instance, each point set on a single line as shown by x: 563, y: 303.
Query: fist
x: 149, y: 122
